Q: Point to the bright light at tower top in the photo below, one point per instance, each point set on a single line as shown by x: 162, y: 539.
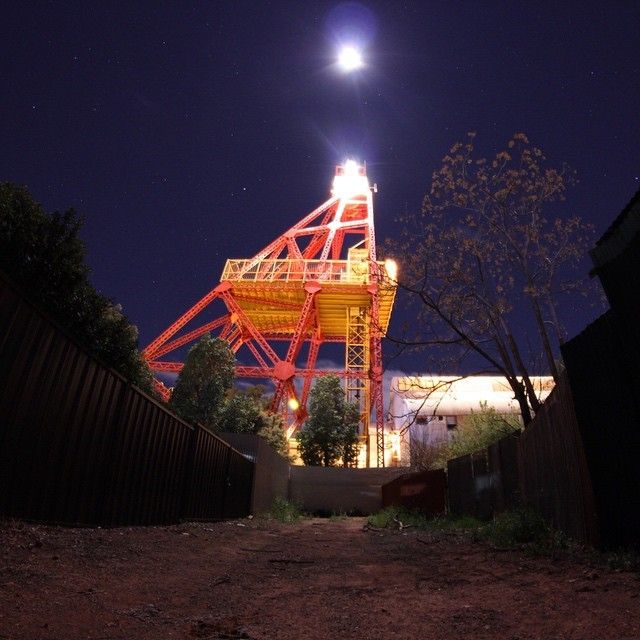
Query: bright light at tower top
x: 350, y: 180
x: 350, y: 59
x: 351, y: 168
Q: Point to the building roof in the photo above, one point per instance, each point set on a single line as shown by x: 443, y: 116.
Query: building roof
x: 619, y: 234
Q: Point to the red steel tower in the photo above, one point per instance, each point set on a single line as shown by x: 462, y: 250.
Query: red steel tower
x: 319, y: 282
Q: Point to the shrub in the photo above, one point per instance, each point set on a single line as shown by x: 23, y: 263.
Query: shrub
x: 284, y: 511
x: 522, y: 526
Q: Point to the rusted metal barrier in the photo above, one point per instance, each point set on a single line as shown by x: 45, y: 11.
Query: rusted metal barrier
x: 79, y: 445
x: 469, y: 486
x: 554, y: 477
x: 423, y: 491
x: 544, y: 468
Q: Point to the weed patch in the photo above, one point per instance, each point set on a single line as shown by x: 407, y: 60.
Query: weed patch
x: 623, y: 561
x: 399, y: 518
x: 337, y: 517
x: 284, y: 511
x: 522, y: 529
x: 519, y: 527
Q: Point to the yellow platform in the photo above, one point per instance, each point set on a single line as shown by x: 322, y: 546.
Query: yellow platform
x: 271, y: 292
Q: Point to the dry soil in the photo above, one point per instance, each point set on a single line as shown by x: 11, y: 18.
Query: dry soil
x: 315, y: 579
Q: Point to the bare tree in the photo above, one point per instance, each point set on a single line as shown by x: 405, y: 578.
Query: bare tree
x: 484, y: 265
x: 427, y: 457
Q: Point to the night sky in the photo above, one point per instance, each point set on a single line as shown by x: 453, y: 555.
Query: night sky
x: 188, y: 133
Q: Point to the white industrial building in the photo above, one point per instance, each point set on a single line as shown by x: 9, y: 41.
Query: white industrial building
x: 427, y: 409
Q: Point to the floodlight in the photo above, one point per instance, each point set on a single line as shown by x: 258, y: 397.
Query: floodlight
x: 391, y: 267
x: 350, y: 180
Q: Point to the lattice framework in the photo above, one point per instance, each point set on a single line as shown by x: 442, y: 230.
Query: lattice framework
x: 317, y: 283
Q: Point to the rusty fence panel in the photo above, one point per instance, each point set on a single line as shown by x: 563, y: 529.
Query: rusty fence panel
x: 469, y: 485
x: 207, y: 479
x: 148, y: 457
x: 220, y: 482
x: 625, y: 311
x: 79, y: 445
x: 482, y: 486
x: 545, y: 468
x: 485, y: 483
x: 423, y: 491
x: 604, y: 379
x: 271, y: 470
x: 554, y: 476
x: 460, y: 486
x: 237, y: 501
x: 503, y: 473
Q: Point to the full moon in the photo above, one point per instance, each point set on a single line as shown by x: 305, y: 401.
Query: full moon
x: 350, y: 59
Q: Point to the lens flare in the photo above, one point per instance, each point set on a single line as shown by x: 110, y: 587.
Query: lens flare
x: 350, y: 59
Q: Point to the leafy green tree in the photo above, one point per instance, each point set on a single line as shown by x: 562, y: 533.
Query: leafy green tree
x: 331, y: 432
x: 257, y: 392
x: 245, y: 411
x: 240, y: 414
x: 272, y: 429
x: 116, y: 340
x: 43, y: 253
x: 202, y: 386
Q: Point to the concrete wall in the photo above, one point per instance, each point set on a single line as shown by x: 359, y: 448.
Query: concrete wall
x: 329, y: 490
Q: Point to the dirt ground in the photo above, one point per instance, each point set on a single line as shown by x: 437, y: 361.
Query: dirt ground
x: 315, y: 579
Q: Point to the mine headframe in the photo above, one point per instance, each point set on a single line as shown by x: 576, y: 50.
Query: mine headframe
x: 318, y: 283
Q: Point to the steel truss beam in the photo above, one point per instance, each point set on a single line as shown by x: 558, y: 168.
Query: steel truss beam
x: 302, y: 289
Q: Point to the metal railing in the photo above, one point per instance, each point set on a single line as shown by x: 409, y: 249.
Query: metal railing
x: 290, y: 269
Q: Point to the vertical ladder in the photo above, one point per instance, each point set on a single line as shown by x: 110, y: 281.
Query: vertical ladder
x: 357, y: 366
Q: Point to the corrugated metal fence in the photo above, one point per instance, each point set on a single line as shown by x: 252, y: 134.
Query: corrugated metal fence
x: 604, y: 374
x: 554, y: 477
x: 485, y: 482
x: 544, y: 468
x: 79, y: 445
x: 271, y: 475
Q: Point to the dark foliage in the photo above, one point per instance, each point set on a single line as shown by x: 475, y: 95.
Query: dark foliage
x: 43, y: 253
x: 202, y: 386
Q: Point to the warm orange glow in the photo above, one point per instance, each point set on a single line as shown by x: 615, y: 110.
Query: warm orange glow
x: 391, y: 267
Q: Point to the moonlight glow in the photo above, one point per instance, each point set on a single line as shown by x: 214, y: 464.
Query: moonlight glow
x: 350, y: 59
